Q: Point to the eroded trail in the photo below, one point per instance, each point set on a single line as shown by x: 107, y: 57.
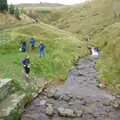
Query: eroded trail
x: 78, y: 99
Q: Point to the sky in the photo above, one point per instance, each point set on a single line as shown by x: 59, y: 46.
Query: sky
x: 69, y: 2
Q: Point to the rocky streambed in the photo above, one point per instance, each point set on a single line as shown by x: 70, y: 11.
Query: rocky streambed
x: 78, y: 98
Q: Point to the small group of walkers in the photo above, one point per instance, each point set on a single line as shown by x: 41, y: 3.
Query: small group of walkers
x: 26, y: 60
x: 32, y: 43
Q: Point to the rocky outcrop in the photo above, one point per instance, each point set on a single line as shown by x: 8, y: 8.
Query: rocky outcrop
x: 5, y: 85
x: 12, y: 104
x: 49, y: 110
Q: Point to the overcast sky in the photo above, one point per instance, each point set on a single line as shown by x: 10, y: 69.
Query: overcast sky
x: 50, y: 1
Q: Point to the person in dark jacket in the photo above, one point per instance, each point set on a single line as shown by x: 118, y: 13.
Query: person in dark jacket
x: 26, y: 65
x: 42, y: 48
x: 23, y: 46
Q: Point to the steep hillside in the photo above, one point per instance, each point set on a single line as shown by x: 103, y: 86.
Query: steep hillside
x: 99, y: 19
x: 87, y: 18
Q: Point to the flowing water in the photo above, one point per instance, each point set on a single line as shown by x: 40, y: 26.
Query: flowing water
x: 78, y: 98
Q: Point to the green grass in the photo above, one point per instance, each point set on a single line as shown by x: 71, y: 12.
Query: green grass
x: 61, y: 51
x: 109, y: 65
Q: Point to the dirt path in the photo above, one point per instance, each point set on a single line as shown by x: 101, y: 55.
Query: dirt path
x: 78, y: 99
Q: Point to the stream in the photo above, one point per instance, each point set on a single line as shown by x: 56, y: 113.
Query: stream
x: 78, y: 98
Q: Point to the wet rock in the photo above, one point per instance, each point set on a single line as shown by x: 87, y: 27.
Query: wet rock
x: 69, y: 94
x: 66, y: 112
x: 80, y: 74
x: 45, y: 93
x: 88, y: 116
x: 57, y: 95
x: 49, y: 110
x: 50, y: 93
x: 70, y: 103
x: 116, y: 103
x: 84, y: 103
x: 79, y: 98
x: 42, y: 117
x: 42, y: 102
x: 107, y: 103
x: 69, y: 113
x: 66, y: 98
x: 79, y: 113
x: 101, y: 85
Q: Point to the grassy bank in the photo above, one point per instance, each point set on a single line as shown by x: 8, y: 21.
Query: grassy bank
x: 61, y: 50
x: 109, y: 65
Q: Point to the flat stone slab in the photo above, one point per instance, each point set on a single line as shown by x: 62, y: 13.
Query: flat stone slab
x: 5, y: 84
x: 13, y: 102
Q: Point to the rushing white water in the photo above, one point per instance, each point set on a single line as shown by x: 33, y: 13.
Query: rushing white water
x: 94, y: 52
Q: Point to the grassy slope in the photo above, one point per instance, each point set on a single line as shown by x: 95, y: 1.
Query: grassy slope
x: 100, y: 20
x: 7, y: 20
x: 60, y: 52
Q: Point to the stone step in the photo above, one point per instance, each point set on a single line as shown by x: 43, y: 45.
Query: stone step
x: 5, y: 85
x: 13, y: 104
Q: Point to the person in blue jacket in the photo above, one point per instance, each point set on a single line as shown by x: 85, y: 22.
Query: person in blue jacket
x: 32, y: 43
x: 42, y: 48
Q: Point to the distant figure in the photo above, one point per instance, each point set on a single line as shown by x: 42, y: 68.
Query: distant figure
x: 26, y: 65
x: 42, y: 48
x: 32, y: 43
x: 23, y: 46
x: 37, y: 20
x: 89, y: 50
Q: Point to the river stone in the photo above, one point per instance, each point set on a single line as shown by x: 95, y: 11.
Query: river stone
x: 101, y: 85
x: 66, y: 98
x: 78, y: 113
x: 42, y: 117
x: 116, y: 103
x: 79, y: 98
x: 70, y: 103
x: 66, y: 112
x: 50, y: 94
x: 49, y: 110
x: 57, y: 95
x: 42, y: 102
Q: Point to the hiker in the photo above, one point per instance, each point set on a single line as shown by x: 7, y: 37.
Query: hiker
x: 26, y: 65
x: 23, y: 46
x: 32, y: 43
x: 89, y: 50
x: 42, y: 47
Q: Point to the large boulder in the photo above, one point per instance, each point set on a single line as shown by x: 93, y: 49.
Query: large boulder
x: 69, y: 113
x: 49, y: 110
